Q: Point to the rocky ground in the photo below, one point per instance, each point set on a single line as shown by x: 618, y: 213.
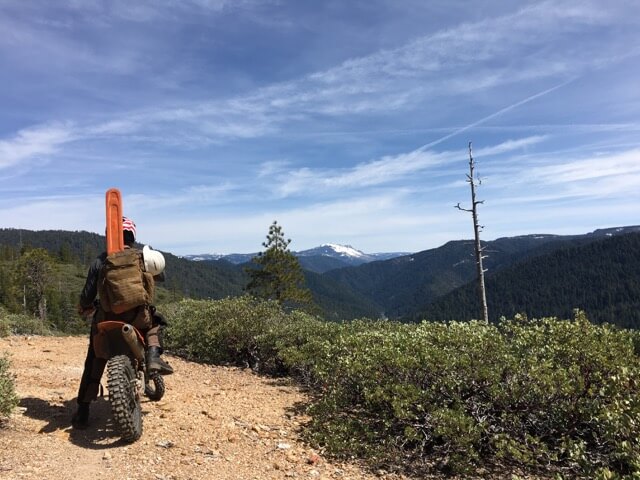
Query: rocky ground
x: 214, y: 422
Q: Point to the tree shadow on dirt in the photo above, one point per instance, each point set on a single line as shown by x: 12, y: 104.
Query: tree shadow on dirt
x: 99, y: 435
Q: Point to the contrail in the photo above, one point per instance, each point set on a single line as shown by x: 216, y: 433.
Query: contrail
x: 499, y: 112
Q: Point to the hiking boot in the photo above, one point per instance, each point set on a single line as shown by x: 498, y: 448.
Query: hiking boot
x: 80, y: 419
x: 157, y: 364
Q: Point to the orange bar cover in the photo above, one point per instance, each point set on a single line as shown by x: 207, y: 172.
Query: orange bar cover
x: 115, y: 242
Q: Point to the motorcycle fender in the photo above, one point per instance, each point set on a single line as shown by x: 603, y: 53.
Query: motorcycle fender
x: 101, y: 346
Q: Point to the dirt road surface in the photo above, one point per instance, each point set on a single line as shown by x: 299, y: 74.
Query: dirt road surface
x: 213, y: 423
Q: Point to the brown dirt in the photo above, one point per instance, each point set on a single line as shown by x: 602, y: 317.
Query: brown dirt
x: 214, y: 422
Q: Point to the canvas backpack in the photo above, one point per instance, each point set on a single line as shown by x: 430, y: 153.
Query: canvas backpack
x: 123, y: 283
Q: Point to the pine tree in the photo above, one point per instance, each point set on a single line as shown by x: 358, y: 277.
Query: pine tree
x: 278, y: 275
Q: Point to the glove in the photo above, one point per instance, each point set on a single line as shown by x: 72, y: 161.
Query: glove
x: 86, y: 312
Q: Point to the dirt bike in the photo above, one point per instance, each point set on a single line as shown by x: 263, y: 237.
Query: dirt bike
x: 123, y: 347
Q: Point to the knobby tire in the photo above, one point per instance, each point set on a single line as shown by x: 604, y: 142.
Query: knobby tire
x: 125, y: 403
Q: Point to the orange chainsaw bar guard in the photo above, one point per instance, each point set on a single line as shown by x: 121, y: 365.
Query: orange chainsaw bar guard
x: 115, y: 241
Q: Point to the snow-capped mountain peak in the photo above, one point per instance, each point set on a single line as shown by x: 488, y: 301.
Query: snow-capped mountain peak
x: 318, y: 259
x: 344, y: 250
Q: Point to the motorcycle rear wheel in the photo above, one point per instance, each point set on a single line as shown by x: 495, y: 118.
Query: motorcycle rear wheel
x: 124, y: 398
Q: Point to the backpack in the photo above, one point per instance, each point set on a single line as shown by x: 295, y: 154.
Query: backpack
x: 123, y: 283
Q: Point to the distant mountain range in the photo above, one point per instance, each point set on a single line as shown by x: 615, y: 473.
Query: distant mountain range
x: 405, y: 285
x: 319, y: 259
x: 537, y: 274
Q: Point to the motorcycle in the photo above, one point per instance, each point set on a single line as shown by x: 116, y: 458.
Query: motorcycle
x: 123, y: 347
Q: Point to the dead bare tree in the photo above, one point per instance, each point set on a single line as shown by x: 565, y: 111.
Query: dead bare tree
x: 477, y: 228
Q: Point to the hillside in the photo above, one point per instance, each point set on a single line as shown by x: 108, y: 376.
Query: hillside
x: 207, y: 279
x: 211, y: 280
x: 403, y: 286
x: 340, y: 302
x: 601, y: 277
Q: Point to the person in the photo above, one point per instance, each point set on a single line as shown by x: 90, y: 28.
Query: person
x: 89, y: 306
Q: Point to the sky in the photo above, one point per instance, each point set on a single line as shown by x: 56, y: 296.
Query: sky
x: 346, y: 121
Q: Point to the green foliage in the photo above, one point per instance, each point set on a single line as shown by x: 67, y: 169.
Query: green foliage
x: 75, y: 247
x: 338, y: 301
x: 20, y: 324
x: 221, y: 331
x: 76, y: 250
x: 5, y: 326
x: 534, y: 393
x: 242, y: 331
x: 8, y: 398
x: 33, y: 271
x: 278, y: 275
x: 403, y: 285
x: 545, y: 394
x: 211, y: 280
x: 41, y: 293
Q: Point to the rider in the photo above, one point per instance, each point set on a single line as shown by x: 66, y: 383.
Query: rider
x: 94, y: 366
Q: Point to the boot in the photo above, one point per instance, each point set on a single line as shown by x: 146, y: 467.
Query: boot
x: 80, y: 419
x: 157, y: 364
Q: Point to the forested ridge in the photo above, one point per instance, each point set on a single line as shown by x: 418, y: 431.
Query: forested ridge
x: 69, y: 255
x: 538, y: 275
x: 601, y: 278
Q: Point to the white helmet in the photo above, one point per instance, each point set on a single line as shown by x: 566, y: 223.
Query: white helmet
x: 153, y: 260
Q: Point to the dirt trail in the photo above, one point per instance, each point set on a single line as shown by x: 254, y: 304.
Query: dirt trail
x: 214, y: 422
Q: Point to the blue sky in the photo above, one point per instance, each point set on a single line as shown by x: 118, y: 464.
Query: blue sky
x: 346, y: 121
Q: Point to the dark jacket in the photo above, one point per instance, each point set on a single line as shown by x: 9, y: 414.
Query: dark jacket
x: 90, y: 290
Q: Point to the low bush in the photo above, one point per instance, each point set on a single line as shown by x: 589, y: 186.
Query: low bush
x: 540, y: 393
x: 550, y: 395
x: 19, y: 324
x: 240, y: 331
x: 8, y: 398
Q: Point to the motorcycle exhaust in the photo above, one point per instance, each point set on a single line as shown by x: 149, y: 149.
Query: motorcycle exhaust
x: 130, y: 336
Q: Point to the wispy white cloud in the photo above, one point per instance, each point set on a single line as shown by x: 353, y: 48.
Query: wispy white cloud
x: 36, y: 142
x: 511, y: 145
x: 68, y: 212
x: 618, y: 164
x: 383, y: 171
x: 195, y: 197
x: 452, y: 62
x: 612, y: 175
x: 358, y: 220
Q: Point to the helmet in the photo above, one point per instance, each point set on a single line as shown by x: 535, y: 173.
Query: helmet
x: 129, y: 226
x: 153, y: 260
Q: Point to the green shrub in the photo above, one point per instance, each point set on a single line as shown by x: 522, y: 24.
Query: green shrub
x: 404, y: 388
x: 5, y: 327
x: 19, y: 324
x: 241, y: 331
x: 539, y: 394
x: 219, y: 331
x: 281, y: 343
x: 8, y: 398
x: 535, y: 393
